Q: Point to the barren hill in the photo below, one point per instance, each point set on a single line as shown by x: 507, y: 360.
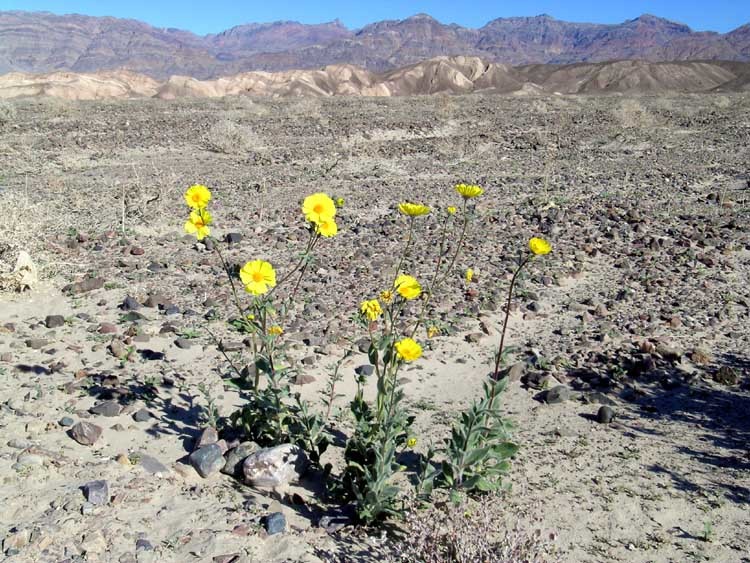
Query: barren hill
x: 439, y: 75
x: 41, y: 42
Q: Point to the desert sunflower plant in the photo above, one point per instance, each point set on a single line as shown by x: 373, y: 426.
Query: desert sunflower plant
x: 475, y: 455
x: 272, y: 414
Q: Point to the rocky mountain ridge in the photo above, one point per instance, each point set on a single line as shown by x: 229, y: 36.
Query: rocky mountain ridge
x: 41, y: 42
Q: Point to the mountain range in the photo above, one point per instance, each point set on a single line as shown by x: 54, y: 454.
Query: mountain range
x: 41, y: 42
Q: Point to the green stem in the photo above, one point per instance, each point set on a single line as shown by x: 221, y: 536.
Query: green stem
x: 459, y: 245
x: 231, y: 279
x: 406, y: 249
x: 499, y: 356
x: 432, y: 288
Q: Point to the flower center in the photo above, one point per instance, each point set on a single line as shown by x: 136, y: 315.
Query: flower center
x: 196, y: 198
x: 257, y: 277
x: 318, y: 208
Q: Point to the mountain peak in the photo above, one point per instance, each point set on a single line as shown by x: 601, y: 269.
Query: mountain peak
x: 421, y: 17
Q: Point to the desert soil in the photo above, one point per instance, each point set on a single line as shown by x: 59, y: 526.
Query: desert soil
x: 644, y: 305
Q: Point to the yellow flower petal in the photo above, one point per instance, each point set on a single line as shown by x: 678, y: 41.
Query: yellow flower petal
x: 539, y: 246
x: 328, y: 228
x: 318, y: 208
x: 197, y: 196
x: 413, y: 209
x: 468, y: 191
x: 408, y: 350
x: 371, y: 309
x: 407, y: 287
x: 258, y: 276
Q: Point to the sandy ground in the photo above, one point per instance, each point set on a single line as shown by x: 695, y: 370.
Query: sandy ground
x: 642, y: 305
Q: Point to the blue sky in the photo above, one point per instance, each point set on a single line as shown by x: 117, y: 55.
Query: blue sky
x: 216, y: 15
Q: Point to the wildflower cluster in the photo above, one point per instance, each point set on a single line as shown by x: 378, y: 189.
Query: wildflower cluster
x: 472, y: 459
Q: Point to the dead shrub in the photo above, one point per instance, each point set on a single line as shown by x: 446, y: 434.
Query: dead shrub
x: 228, y: 137
x: 468, y: 532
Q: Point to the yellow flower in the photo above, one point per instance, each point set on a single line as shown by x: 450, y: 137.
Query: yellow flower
x: 469, y: 275
x: 539, y: 246
x: 408, y: 350
x: 411, y: 442
x: 198, y: 224
x: 258, y: 276
x: 451, y: 210
x: 371, y: 309
x: 432, y: 331
x: 327, y: 228
x: 339, y: 202
x: 275, y: 330
x: 413, y: 209
x: 468, y: 191
x: 197, y: 196
x: 386, y: 296
x: 408, y: 287
x: 250, y: 317
x: 318, y: 208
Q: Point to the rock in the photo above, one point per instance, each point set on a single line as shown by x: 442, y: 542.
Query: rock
x: 474, y: 337
x: 668, y: 352
x: 605, y: 415
x: 89, y: 284
x: 236, y: 456
x: 230, y: 346
x: 130, y: 304
x: 156, y: 300
x: 142, y: 544
x: 701, y: 356
x: 36, y: 343
x: 365, y: 370
x: 107, y: 328
x: 54, y: 321
x: 304, y: 379
x: 598, y: 397
x: 118, y: 349
x: 86, y: 433
x: 17, y: 539
x: 106, y: 408
x: 142, y: 415
x: 209, y: 435
x: 558, y: 394
x: 19, y: 443
x: 137, y: 251
x: 207, y: 460
x: 183, y: 343
x: 97, y: 492
x: 94, y: 543
x: 66, y: 421
x: 726, y: 375
x: 233, y: 238
x: 275, y: 523
x: 337, y: 519
x: 273, y: 467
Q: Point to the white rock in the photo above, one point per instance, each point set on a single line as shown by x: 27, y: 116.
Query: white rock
x: 274, y: 467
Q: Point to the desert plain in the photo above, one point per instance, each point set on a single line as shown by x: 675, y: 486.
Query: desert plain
x: 643, y: 306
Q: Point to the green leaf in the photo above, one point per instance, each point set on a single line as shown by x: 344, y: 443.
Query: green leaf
x: 506, y: 449
x: 372, y: 354
x: 238, y: 383
x: 485, y: 486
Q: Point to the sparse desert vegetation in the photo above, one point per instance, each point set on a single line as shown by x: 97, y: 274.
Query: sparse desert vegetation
x: 139, y: 376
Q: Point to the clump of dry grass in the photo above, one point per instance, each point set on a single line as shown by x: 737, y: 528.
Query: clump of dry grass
x: 469, y: 532
x: 7, y: 113
x: 228, y: 137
